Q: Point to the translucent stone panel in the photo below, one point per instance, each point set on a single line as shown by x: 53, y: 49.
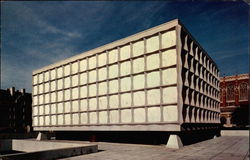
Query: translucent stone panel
x: 67, y: 70
x: 84, y: 118
x: 92, y: 117
x: 113, y: 71
x: 75, y: 118
x: 59, y: 72
x: 126, y: 100
x: 92, y: 62
x: 138, y: 48
x: 114, y: 116
x: 153, y: 61
x: 169, y: 58
x: 103, y: 117
x: 139, y: 81
x: 102, y: 74
x: 125, y: 52
x: 75, y: 93
x: 168, y: 39
x: 60, y: 84
x: 92, y: 104
x: 47, y: 120
x: 52, y: 74
x: 102, y: 88
x: 125, y: 68
x: 47, y: 109
x: 67, y: 107
x: 92, y: 90
x: 67, y: 82
x: 169, y: 76
x: 53, y: 120
x: 83, y: 92
x: 40, y: 88
x: 60, y: 108
x: 103, y: 102
x: 35, y: 79
x: 113, y: 86
x: 41, y: 121
x: 153, y: 44
x: 139, y: 115
x: 46, y: 76
x: 170, y: 113
x: 113, y: 56
x: 35, y: 91
x: 83, y: 78
x: 60, y: 119
x: 35, y: 100
x: 92, y: 76
x: 40, y: 77
x: 67, y: 94
x: 125, y: 84
x: 35, y: 121
x: 53, y: 86
x: 138, y: 65
x: 67, y: 119
x: 113, y: 101
x: 83, y: 65
x: 102, y: 59
x: 154, y: 96
x: 46, y: 87
x: 75, y: 106
x: 35, y: 110
x: 75, y: 80
x: 154, y: 114
x: 41, y: 109
x: 41, y: 99
x: 126, y: 116
x: 170, y: 95
x: 84, y: 105
x: 74, y: 67
x: 139, y: 98
x: 153, y: 79
x: 46, y: 99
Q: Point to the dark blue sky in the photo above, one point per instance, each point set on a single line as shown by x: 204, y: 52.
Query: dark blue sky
x: 36, y: 34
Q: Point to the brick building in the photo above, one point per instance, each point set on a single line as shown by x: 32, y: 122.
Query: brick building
x: 234, y: 100
x: 15, y: 111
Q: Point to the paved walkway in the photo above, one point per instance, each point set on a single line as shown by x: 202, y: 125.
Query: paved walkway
x: 221, y: 148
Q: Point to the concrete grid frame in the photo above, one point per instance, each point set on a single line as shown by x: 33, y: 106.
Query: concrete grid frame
x: 157, y: 80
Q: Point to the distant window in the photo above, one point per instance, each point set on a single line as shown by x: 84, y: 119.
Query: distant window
x: 221, y: 94
x: 243, y: 91
x: 230, y: 92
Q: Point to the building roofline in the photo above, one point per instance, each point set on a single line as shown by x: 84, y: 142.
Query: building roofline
x: 121, y: 42
x: 112, y: 45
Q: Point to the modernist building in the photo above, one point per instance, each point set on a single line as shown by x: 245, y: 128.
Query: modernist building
x: 160, y: 79
x: 234, y: 100
x: 15, y: 111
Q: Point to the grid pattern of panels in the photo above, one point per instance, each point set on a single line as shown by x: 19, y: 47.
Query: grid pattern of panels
x: 133, y: 83
x: 200, y: 79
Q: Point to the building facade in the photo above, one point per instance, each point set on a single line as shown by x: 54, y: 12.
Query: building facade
x: 15, y: 111
x: 234, y: 100
x: 160, y: 79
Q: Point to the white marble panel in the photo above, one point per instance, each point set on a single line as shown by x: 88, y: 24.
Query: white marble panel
x: 114, y: 116
x: 126, y: 84
x: 138, y: 48
x: 153, y: 61
x: 139, y: 98
x: 139, y: 115
x: 138, y: 65
x: 125, y: 52
x: 102, y: 59
x: 154, y: 96
x: 154, y: 114
x: 126, y: 116
x: 153, y: 44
